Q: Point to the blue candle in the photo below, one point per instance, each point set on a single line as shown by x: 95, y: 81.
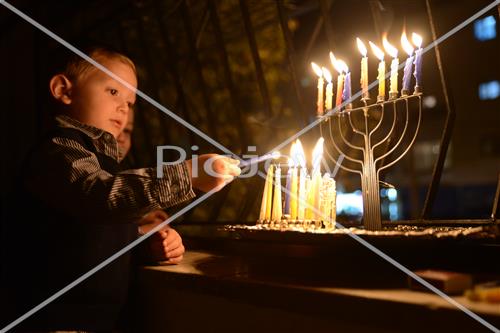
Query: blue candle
x: 346, y: 94
x: 408, y: 65
x: 417, y: 40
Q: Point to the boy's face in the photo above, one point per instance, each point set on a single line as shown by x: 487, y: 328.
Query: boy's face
x: 99, y: 100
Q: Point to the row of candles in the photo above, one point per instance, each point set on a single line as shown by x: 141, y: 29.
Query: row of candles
x: 344, y: 92
x: 307, y: 197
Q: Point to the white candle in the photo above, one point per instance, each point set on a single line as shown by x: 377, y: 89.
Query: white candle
x: 381, y: 72
x: 301, y: 161
x: 364, y: 69
x: 321, y: 82
x: 417, y: 41
x: 329, y: 89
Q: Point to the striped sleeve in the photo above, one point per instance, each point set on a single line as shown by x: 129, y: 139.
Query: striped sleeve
x: 98, y: 195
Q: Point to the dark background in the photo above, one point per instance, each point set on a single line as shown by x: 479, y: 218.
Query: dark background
x: 179, y: 52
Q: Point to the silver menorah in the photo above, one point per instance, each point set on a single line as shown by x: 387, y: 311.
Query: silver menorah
x: 372, y: 143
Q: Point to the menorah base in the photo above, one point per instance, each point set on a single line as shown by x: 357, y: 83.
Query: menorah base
x: 295, y: 225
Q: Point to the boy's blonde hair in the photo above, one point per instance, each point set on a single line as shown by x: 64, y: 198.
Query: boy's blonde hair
x: 77, y: 67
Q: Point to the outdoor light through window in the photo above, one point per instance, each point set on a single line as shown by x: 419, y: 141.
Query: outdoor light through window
x: 489, y: 90
x: 485, y: 28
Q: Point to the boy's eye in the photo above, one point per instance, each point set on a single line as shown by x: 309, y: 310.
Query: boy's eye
x: 113, y: 92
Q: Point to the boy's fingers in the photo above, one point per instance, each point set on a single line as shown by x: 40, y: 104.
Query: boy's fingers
x: 176, y: 252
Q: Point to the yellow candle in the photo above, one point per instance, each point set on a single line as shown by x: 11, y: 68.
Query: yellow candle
x: 302, y: 194
x: 393, y: 52
x: 263, y: 204
x: 277, y: 209
x: 269, y: 193
x: 329, y: 89
x: 364, y: 69
x: 340, y: 88
x: 310, y: 199
x: 321, y: 82
x: 294, y: 194
x: 381, y: 72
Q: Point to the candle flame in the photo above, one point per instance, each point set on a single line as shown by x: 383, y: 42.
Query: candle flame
x: 317, y: 154
x: 340, y: 66
x: 391, y: 50
x: 300, y: 157
x: 361, y: 47
x: 317, y: 69
x: 292, y: 161
x: 417, y: 39
x: 333, y: 60
x: 377, y: 51
x: 406, y: 44
x: 327, y: 74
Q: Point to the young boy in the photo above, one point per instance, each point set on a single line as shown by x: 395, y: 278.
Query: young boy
x: 79, y: 208
x: 165, y: 245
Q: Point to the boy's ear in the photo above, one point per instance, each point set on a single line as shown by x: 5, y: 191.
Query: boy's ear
x: 60, y: 87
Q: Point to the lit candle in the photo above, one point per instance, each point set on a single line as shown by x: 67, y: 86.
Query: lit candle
x: 339, y: 66
x: 277, y: 209
x: 329, y: 89
x: 381, y: 71
x: 364, y: 70
x: 321, y: 82
x: 268, y: 187
x: 408, y: 65
x: 417, y: 41
x: 332, y: 198
x: 325, y: 205
x: 316, y: 178
x: 346, y: 94
x: 263, y: 205
x: 309, y: 200
x: 301, y: 159
x: 291, y: 166
x: 393, y: 52
x: 294, y: 187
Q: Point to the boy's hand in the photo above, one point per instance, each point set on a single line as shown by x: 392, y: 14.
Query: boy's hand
x: 213, y: 171
x: 165, y: 244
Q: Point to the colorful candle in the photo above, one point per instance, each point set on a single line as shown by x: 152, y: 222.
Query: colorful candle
x: 294, y: 185
x: 381, y: 71
x: 346, y: 94
x: 263, y: 204
x: 417, y: 41
x: 268, y: 195
x: 288, y: 196
x: 340, y: 67
x: 321, y: 82
x: 277, y: 208
x: 309, y: 204
x: 393, y: 83
x: 316, y: 178
x: 408, y: 65
x: 302, y: 190
x: 329, y: 89
x: 364, y: 70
